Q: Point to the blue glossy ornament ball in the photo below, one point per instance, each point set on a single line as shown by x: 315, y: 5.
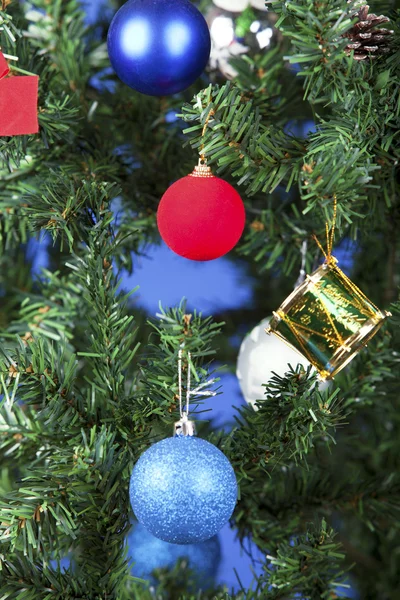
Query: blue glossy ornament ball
x: 159, y: 47
x: 147, y: 553
x: 183, y: 490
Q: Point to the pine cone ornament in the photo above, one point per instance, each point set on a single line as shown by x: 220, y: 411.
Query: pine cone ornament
x: 367, y: 40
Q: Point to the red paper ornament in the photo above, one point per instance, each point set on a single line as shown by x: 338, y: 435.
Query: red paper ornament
x: 4, y: 68
x: 201, y: 216
x: 18, y: 105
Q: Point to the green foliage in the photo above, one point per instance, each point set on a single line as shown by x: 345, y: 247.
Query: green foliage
x: 316, y: 31
x: 259, y: 154
x: 307, y: 560
x: 353, y: 153
x: 87, y: 383
x: 292, y: 418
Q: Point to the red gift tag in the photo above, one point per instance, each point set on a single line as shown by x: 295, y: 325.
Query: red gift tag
x: 18, y: 105
x: 4, y: 68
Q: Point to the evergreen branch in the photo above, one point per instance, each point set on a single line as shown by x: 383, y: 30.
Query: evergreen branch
x: 34, y: 580
x: 337, y: 159
x: 111, y: 348
x: 65, y: 497
x: 338, y: 163
x: 292, y: 495
x: 265, y: 80
x: 276, y: 235
x: 292, y: 418
x: 230, y: 140
x: 316, y: 31
x: 156, y: 395
x: 36, y: 514
x: 51, y: 313
x: 56, y: 112
x: 20, y: 434
x: 373, y: 375
x: 69, y: 209
x: 81, y: 401
x: 310, y: 564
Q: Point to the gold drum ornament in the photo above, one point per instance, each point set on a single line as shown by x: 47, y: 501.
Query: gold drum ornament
x: 327, y: 319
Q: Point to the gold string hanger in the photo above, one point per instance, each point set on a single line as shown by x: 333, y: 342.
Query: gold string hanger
x: 202, y: 155
x: 330, y: 235
x: 202, y: 169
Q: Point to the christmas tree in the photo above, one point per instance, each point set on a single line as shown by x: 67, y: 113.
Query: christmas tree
x: 299, y: 111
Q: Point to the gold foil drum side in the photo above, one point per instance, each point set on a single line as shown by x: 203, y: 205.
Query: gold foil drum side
x: 327, y: 319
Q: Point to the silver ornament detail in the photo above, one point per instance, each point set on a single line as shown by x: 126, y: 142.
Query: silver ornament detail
x: 184, y: 426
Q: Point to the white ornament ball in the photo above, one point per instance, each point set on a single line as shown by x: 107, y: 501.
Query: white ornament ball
x: 232, y: 5
x: 260, y: 355
x: 259, y: 5
x: 240, y: 5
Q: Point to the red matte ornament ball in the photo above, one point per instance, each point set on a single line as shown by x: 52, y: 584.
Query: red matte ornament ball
x: 201, y: 217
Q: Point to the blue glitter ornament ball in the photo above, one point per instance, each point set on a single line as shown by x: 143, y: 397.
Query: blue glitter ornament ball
x: 183, y: 490
x: 148, y: 553
x: 159, y: 47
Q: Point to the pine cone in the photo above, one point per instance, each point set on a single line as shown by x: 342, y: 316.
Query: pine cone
x: 366, y: 39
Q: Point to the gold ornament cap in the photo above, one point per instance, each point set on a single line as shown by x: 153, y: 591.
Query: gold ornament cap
x: 202, y: 170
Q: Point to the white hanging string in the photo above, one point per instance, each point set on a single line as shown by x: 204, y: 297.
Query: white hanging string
x: 188, y: 392
x: 198, y: 391
x: 303, y: 252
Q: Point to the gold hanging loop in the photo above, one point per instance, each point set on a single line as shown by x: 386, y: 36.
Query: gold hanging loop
x: 330, y: 234
x: 202, y: 155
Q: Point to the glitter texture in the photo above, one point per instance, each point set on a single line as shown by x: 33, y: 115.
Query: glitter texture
x: 183, y: 490
x: 148, y: 553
